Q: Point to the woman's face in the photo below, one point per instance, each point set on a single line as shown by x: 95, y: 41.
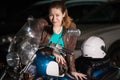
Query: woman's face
x: 56, y: 16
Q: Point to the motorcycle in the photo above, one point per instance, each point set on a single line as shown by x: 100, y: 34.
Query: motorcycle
x: 95, y: 62
x: 23, y: 53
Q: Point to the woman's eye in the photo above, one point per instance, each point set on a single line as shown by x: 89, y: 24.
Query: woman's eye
x: 57, y: 15
x: 50, y: 14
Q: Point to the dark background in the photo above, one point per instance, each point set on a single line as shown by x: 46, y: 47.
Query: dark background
x: 10, y: 13
x: 9, y: 10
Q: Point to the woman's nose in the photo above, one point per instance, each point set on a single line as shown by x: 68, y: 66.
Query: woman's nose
x: 54, y: 18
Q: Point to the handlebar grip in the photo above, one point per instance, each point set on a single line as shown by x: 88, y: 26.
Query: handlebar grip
x: 67, y: 51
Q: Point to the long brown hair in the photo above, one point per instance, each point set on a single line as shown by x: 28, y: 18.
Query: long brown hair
x: 67, y: 19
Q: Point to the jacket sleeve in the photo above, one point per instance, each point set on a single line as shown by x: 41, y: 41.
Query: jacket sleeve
x: 42, y: 23
x: 71, y: 44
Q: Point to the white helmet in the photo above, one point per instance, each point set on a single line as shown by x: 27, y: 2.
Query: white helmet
x: 93, y: 47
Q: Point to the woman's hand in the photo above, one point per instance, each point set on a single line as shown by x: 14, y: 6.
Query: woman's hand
x: 79, y: 75
x: 59, y: 58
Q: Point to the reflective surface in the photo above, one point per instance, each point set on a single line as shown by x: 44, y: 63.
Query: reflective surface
x: 26, y: 41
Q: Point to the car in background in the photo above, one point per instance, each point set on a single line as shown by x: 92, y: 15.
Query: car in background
x: 93, y: 17
x: 100, y: 19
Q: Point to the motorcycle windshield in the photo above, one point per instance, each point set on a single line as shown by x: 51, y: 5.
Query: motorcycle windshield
x: 26, y: 42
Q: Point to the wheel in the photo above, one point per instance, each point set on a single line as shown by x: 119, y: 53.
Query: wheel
x: 115, y: 58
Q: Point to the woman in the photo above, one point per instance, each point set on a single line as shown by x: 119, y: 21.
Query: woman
x: 56, y: 34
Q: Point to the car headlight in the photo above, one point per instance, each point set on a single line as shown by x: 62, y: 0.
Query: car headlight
x: 12, y: 59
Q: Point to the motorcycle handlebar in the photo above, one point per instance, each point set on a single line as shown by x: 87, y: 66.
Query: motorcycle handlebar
x: 57, y: 48
x: 67, y: 51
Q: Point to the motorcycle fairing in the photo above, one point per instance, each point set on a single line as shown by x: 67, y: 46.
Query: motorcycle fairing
x: 26, y: 41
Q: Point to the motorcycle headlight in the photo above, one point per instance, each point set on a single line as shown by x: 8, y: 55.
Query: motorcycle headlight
x: 12, y: 59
